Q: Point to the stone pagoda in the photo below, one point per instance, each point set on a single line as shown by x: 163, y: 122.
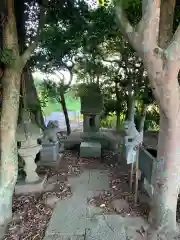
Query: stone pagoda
x: 91, y: 108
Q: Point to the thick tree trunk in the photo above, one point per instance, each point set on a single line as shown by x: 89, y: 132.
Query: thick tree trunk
x: 162, y: 68
x: 9, y: 158
x: 166, y: 175
x: 117, y: 120
x: 9, y: 115
x: 63, y: 104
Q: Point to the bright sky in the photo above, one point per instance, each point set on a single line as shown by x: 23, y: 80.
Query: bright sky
x: 55, y: 78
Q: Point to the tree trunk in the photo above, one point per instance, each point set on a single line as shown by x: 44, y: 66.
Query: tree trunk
x: 32, y: 99
x: 162, y: 70
x: 117, y: 120
x: 63, y: 104
x: 166, y: 170
x: 9, y: 158
x: 166, y: 175
x: 131, y: 108
x: 9, y: 115
x: 117, y: 106
x: 142, y: 119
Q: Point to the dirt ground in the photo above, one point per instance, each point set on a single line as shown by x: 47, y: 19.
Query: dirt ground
x: 31, y: 213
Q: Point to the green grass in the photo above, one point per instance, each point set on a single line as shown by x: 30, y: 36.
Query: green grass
x: 53, y: 106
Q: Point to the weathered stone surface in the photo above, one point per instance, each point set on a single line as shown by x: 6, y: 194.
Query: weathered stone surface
x: 26, y: 188
x: 49, y: 154
x: 120, y: 205
x: 90, y: 149
x: 50, y: 133
x: 72, y: 216
x: 109, y: 227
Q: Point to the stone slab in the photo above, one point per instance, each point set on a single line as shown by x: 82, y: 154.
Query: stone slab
x: 109, y: 227
x: 71, y: 217
x: 49, y: 152
x: 26, y: 188
x: 51, y: 163
x: 90, y: 149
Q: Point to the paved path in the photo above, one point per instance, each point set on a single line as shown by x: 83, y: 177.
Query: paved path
x: 74, y: 219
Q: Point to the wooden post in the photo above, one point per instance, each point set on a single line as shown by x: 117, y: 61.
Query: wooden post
x: 137, y: 176
x: 131, y: 175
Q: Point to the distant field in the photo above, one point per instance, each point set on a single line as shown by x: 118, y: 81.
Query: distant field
x: 72, y: 105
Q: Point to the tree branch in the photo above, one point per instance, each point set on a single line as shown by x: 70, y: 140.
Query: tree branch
x: 27, y: 53
x: 173, y: 49
x: 148, y: 27
x: 126, y: 28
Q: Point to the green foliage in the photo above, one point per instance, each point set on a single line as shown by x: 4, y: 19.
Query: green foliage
x: 109, y: 122
x: 7, y: 57
x: 152, y: 118
x: 90, y: 89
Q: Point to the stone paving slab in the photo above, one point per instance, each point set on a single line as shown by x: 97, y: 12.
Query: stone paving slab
x: 109, y: 227
x: 73, y: 216
x: 59, y: 237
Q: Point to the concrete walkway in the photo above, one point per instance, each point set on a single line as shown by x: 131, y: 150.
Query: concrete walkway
x: 74, y: 219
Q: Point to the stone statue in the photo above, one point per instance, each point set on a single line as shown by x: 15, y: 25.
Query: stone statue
x: 50, y: 133
x: 132, y: 140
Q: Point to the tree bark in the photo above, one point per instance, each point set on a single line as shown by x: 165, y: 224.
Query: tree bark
x: 9, y: 158
x: 9, y: 115
x: 63, y: 104
x: 162, y: 65
x: 166, y: 175
x: 117, y: 106
x: 32, y: 99
x: 131, y: 107
x: 142, y: 119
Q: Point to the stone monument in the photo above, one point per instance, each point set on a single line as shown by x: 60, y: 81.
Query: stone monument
x: 28, y: 134
x: 91, y: 108
x: 49, y: 155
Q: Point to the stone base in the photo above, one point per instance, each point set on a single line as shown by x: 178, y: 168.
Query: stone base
x: 90, y: 149
x: 26, y: 188
x: 49, y: 155
x: 51, y: 163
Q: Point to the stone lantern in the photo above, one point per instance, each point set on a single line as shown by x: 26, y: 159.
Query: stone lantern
x: 28, y: 134
x: 91, y: 108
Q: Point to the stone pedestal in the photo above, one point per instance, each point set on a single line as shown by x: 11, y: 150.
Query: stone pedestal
x: 28, y: 151
x: 30, y: 187
x: 90, y: 149
x: 49, y: 154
